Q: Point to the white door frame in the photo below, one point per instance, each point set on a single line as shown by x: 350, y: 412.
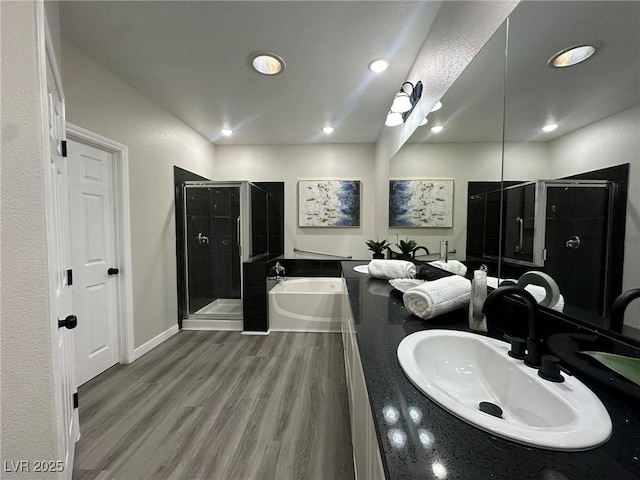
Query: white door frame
x: 63, y: 369
x: 122, y: 224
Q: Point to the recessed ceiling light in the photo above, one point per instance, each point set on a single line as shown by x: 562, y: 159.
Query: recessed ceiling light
x: 437, y: 128
x: 424, y: 121
x: 571, y: 56
x: 436, y: 107
x: 227, y: 132
x: 328, y: 130
x: 267, y: 63
x: 550, y: 127
x: 378, y: 66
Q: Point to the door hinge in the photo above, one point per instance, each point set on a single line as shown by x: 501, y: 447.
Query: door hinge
x: 69, y: 277
x: 75, y: 400
x: 63, y: 148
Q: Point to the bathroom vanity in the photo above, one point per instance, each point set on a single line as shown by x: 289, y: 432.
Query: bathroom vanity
x: 400, y: 433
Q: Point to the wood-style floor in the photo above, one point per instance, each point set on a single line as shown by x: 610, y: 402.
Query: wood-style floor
x: 220, y: 405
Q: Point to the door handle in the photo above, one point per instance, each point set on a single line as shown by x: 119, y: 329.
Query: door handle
x: 69, y: 322
x: 113, y: 271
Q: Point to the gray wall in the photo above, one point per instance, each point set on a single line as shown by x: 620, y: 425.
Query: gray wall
x: 100, y: 101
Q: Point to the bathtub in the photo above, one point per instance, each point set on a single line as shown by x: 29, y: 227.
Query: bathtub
x: 311, y: 304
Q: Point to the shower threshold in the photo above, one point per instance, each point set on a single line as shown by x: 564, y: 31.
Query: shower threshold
x: 222, y: 306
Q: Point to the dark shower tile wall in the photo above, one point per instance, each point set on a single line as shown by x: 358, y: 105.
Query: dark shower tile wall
x: 276, y: 216
x: 201, y: 253
x: 223, y: 212
x: 180, y: 175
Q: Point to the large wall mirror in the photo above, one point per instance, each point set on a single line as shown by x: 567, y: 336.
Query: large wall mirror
x: 572, y: 154
x: 565, y: 202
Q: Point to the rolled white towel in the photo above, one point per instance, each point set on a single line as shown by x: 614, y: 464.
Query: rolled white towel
x: 389, y: 269
x: 437, y: 297
x: 453, y: 266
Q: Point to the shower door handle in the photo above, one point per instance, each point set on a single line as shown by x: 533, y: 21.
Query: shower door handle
x: 521, y: 233
x: 238, y: 235
x: 573, y: 242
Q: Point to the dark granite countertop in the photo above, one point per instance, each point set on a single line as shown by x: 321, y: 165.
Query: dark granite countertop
x: 419, y: 439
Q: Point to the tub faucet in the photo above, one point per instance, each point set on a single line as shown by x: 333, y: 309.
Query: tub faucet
x: 279, y: 271
x: 619, y: 306
x: 534, y: 344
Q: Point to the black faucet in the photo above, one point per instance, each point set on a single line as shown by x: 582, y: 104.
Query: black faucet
x: 534, y: 350
x: 619, y: 306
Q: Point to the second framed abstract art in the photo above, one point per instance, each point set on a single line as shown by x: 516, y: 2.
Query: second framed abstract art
x: 421, y: 203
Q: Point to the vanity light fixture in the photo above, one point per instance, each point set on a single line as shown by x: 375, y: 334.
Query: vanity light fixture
x: 227, y: 132
x: 267, y: 63
x: 424, y: 121
x: 571, y: 56
x: 437, y: 128
x: 328, y: 130
x: 550, y: 127
x: 403, y: 104
x: 436, y: 107
x: 378, y: 66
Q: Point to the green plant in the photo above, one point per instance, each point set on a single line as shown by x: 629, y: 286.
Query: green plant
x: 407, y: 246
x: 376, y: 246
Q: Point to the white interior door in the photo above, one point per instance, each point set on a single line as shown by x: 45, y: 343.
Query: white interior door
x: 58, y: 239
x: 93, y: 255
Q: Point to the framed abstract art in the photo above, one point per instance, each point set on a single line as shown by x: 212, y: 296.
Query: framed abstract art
x: 329, y: 203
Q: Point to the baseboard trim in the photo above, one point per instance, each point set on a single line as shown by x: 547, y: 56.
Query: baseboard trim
x: 154, y: 342
x: 226, y: 325
x: 306, y: 330
x: 255, y: 332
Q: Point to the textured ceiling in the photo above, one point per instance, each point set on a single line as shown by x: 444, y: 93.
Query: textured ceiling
x: 192, y: 58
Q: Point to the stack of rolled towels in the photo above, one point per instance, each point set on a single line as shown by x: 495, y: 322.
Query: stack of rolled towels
x: 437, y: 297
x: 390, y: 269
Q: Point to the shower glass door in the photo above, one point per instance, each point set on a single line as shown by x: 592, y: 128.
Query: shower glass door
x: 577, y: 238
x: 213, y: 248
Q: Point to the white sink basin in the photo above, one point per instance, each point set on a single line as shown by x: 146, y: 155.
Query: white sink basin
x: 458, y: 370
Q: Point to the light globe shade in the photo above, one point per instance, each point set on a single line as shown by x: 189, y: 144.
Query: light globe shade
x: 393, y: 119
x: 401, y: 102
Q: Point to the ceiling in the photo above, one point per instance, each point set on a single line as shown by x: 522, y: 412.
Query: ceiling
x: 192, y: 58
x: 535, y: 94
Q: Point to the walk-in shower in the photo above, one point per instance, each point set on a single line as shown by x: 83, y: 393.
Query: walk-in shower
x: 225, y: 224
